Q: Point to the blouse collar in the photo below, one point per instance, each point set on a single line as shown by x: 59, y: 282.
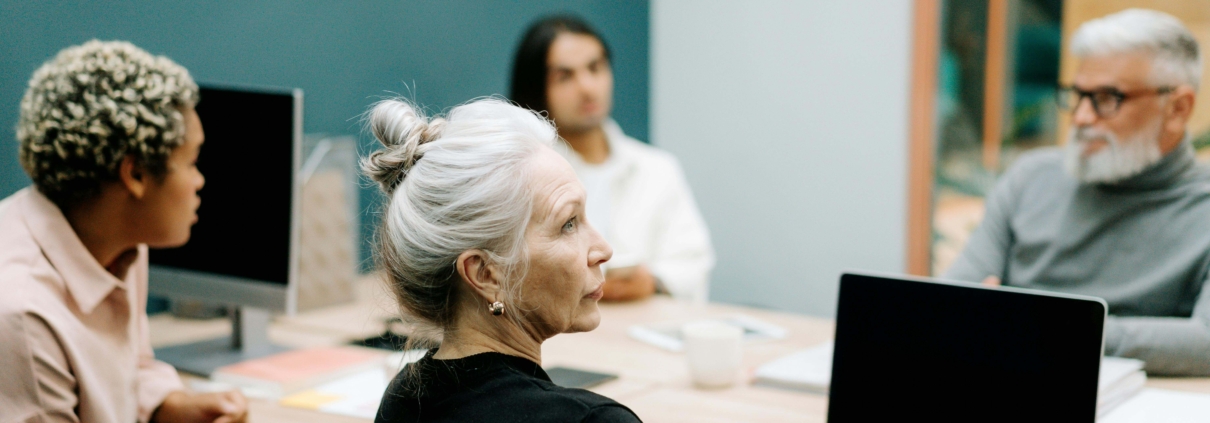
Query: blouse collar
x: 87, y: 280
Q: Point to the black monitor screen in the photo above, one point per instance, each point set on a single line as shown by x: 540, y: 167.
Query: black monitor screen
x: 243, y: 227
x: 941, y: 352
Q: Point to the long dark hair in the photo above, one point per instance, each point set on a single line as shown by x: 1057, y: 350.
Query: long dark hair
x: 528, y: 86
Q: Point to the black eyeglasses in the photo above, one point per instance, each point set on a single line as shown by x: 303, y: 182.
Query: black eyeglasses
x: 1105, y: 101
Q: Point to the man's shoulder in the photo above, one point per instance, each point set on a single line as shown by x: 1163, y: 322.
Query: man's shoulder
x: 1038, y: 160
x: 648, y: 158
x: 1040, y: 165
x: 1200, y: 173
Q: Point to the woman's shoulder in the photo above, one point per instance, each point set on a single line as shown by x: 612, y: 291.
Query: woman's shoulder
x: 546, y: 391
x: 547, y: 401
x: 503, y: 391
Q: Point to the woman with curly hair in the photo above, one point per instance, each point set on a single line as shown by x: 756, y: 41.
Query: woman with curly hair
x: 109, y: 136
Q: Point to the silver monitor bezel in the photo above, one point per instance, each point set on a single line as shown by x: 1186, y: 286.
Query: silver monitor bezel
x: 204, y: 286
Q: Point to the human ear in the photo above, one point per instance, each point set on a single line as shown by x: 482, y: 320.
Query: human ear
x: 133, y: 177
x: 1180, y: 108
x: 479, y: 274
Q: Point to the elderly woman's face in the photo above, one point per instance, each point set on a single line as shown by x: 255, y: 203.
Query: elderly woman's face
x: 563, y: 285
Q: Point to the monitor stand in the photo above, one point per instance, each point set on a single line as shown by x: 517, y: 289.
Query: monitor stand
x: 249, y: 339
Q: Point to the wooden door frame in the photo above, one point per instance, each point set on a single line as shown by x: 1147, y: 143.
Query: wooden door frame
x: 926, y: 50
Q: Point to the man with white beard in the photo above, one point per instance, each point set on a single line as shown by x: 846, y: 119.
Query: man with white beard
x: 1123, y: 211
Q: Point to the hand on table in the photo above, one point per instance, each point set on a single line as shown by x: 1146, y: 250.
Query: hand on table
x: 628, y: 284
x: 992, y: 281
x: 218, y: 407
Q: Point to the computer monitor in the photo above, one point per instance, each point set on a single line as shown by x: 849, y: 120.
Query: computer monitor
x: 244, y: 249
x: 909, y: 348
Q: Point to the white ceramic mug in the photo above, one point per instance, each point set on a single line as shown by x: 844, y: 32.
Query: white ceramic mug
x: 714, y: 351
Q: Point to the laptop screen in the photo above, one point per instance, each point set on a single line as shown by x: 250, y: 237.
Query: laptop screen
x: 950, y: 352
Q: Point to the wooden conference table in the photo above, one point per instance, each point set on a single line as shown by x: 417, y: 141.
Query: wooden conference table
x: 653, y: 382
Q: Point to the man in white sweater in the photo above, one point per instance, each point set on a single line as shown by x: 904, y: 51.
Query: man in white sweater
x: 637, y: 194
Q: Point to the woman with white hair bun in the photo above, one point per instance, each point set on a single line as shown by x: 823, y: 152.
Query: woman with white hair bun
x: 485, y: 246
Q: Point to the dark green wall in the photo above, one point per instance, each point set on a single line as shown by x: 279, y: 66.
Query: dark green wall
x: 343, y: 54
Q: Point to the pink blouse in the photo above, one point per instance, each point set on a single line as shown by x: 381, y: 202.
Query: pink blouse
x: 73, y: 338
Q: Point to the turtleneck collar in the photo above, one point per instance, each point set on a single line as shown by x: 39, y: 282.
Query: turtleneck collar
x: 1162, y: 174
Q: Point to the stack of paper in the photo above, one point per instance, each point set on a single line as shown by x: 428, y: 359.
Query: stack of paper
x: 1162, y: 406
x: 1120, y: 379
x: 807, y: 370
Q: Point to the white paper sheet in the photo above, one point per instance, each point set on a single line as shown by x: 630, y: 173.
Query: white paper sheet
x: 1162, y: 406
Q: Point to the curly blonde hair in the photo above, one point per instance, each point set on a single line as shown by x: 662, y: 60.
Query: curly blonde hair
x: 91, y: 106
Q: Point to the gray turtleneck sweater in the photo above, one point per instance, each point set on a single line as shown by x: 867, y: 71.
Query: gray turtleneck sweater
x: 1142, y: 244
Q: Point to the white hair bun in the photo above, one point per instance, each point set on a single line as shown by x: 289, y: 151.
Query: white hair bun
x: 403, y: 130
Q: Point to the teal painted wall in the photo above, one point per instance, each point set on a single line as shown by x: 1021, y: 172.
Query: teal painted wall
x: 343, y: 54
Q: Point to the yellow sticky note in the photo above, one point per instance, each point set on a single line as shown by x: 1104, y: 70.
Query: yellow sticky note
x: 310, y: 400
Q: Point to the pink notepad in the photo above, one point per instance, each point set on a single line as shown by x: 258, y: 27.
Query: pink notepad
x: 291, y: 371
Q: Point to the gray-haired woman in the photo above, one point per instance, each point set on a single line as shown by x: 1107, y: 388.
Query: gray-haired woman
x: 485, y: 246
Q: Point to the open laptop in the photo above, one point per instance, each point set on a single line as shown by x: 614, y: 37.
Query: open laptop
x: 910, y: 348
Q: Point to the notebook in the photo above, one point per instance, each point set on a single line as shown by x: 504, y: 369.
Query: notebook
x: 809, y: 370
x: 288, y: 372
x: 357, y: 394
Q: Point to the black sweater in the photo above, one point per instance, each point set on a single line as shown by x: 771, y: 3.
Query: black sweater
x: 490, y: 387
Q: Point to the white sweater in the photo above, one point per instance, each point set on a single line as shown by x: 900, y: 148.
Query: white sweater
x: 651, y: 218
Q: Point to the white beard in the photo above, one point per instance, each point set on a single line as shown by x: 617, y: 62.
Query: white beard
x: 1116, y: 161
